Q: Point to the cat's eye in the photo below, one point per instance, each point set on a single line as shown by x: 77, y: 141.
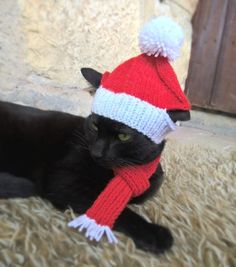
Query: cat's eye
x: 94, y: 126
x: 124, y: 137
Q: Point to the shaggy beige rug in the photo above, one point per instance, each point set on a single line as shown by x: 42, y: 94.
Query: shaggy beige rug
x: 197, y: 202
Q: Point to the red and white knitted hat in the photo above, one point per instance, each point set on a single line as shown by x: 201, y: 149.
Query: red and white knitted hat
x: 140, y: 90
x: 137, y: 93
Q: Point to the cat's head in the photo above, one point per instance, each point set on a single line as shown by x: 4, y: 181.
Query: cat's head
x: 112, y: 143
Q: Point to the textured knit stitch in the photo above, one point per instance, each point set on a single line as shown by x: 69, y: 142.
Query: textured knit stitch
x: 150, y: 79
x: 153, y: 122
x: 128, y: 182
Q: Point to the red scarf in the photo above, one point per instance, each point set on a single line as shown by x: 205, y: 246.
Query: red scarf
x: 128, y: 182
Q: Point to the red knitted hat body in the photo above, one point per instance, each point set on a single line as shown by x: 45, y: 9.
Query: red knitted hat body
x: 149, y: 79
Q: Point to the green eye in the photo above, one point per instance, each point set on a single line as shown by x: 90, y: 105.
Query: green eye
x: 124, y: 137
x: 94, y: 126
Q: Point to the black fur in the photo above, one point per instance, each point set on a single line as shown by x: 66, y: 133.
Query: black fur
x: 67, y: 160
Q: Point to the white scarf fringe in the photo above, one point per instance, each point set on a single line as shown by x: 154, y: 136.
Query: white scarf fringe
x: 94, y: 231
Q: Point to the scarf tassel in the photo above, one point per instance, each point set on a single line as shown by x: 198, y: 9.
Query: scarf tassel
x: 94, y: 231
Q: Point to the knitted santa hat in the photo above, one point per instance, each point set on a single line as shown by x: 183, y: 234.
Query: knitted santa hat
x: 137, y: 93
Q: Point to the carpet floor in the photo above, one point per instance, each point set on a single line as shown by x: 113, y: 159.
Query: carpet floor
x: 197, y: 202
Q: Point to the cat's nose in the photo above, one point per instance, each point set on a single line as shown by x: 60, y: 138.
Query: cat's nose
x: 97, y: 150
x: 96, y: 154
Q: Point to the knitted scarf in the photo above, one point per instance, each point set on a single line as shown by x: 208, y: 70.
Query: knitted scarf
x: 127, y: 183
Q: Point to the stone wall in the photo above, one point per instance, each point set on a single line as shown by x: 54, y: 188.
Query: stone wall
x: 43, y: 45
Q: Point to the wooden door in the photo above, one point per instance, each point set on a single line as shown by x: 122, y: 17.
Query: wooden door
x: 211, y: 81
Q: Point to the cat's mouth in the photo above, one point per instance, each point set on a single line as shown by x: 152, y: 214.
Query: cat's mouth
x: 108, y: 164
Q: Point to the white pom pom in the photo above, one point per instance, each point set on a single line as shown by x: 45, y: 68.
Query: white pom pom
x: 161, y: 36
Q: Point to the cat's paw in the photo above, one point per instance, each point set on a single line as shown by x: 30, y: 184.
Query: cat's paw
x: 154, y: 238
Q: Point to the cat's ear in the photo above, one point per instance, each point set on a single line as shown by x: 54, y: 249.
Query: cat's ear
x: 179, y: 115
x: 92, y: 76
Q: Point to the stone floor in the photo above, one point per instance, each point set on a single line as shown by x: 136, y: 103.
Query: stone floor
x: 209, y: 131
x: 205, y: 138
x: 214, y: 123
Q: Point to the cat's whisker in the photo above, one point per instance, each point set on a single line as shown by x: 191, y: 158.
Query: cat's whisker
x: 79, y: 143
x: 82, y: 146
x: 80, y: 140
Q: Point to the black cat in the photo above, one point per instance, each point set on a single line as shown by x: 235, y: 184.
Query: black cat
x: 67, y: 160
